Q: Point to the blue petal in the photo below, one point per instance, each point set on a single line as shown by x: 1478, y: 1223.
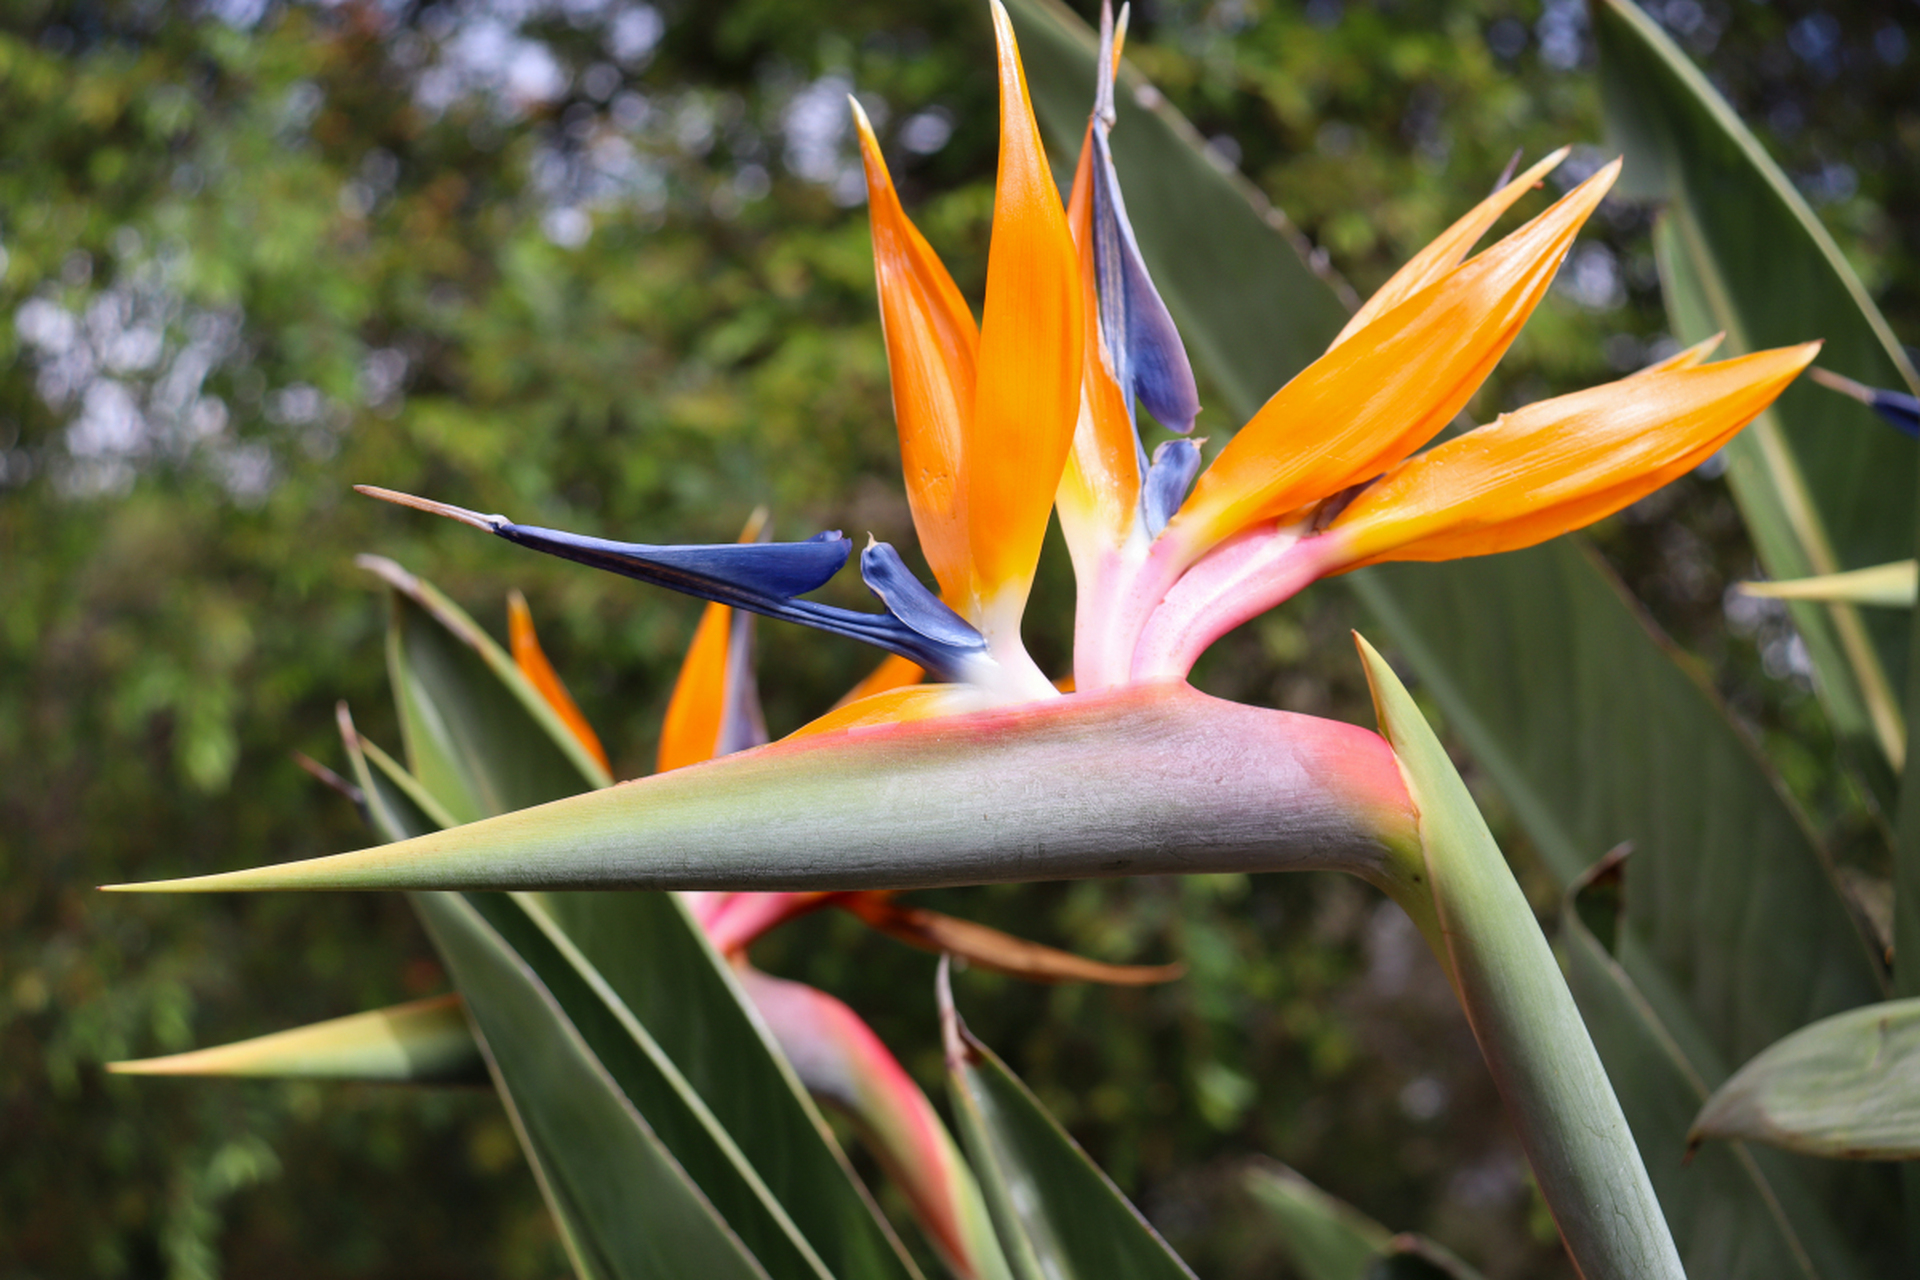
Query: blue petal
x: 907, y: 599
x: 735, y: 573
x: 1136, y: 332
x: 1175, y: 464
x: 762, y: 578
x: 1902, y: 410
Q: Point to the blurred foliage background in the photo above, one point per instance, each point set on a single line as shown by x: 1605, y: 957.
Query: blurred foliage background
x: 601, y: 264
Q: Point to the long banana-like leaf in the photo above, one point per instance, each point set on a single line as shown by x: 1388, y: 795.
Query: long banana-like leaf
x: 1823, y: 486
x: 1737, y: 1211
x: 1328, y: 1239
x: 598, y: 1158
x: 1024, y: 793
x: 1847, y: 1087
x: 1062, y: 1217
x: 420, y: 1042
x: 1542, y: 1059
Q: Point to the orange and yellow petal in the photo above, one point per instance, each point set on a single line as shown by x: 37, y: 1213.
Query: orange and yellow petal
x: 1027, y: 398
x: 524, y: 644
x: 1366, y: 405
x: 894, y: 706
x: 894, y: 672
x: 1449, y: 249
x: 931, y: 342
x: 1561, y: 464
x: 691, y: 731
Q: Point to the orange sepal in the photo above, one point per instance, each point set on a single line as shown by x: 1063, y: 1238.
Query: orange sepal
x: 894, y: 672
x: 992, y: 949
x: 1027, y: 400
x: 1366, y: 405
x: 893, y: 706
x: 1561, y: 464
x: 931, y: 342
x: 690, y: 732
x: 533, y: 664
x: 1448, y: 250
x: 697, y: 711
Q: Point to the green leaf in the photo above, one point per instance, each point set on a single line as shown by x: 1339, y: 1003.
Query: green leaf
x: 656, y: 960
x: 1822, y: 484
x: 1328, y: 1239
x: 422, y: 1042
x: 1042, y: 1189
x: 1738, y: 1212
x: 1250, y: 307
x: 1895, y: 585
x: 1847, y: 1087
x: 680, y: 1003
x: 1026, y: 793
x: 648, y: 1079
x: 478, y: 736
x: 596, y: 1157
x: 397, y: 806
x: 1325, y: 1238
x: 1536, y: 1046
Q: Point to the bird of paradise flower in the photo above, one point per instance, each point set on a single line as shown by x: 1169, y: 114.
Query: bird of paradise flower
x: 993, y: 773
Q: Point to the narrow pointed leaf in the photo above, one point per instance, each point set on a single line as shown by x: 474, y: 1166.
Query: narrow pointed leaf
x: 1847, y: 1087
x: 1894, y: 586
x: 1537, y: 1048
x: 422, y: 1042
x: 646, y: 1077
x: 1328, y: 1239
x: 1021, y: 793
x: 655, y: 959
x: 1324, y: 1238
x: 478, y: 735
x: 1821, y: 484
x: 596, y: 1156
x: 1044, y: 1188
x: 397, y: 806
x: 1738, y: 1211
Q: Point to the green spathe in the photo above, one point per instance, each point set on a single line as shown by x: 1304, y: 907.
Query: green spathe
x: 1147, y: 780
